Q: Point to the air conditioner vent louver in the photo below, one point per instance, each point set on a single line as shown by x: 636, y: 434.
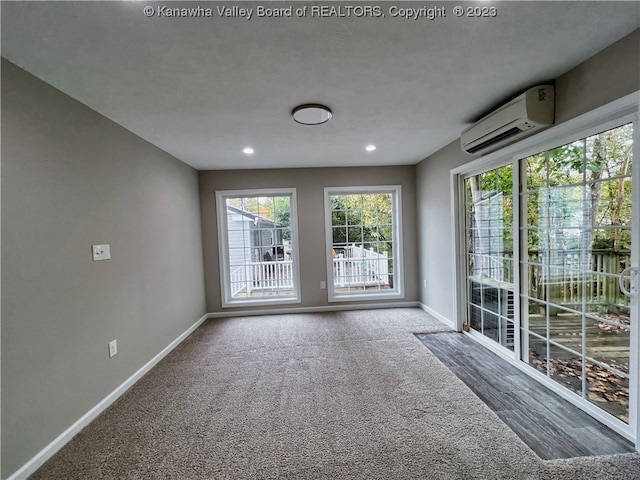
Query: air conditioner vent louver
x: 527, y: 113
x: 494, y: 140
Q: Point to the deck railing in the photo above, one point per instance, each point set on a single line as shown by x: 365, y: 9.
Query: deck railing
x: 360, y: 267
x: 360, y: 272
x: 238, y: 281
x: 595, y: 278
x: 274, y: 275
x: 566, y: 280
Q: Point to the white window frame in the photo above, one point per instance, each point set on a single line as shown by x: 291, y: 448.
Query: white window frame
x: 223, y: 248
x: 398, y: 259
x: 614, y: 114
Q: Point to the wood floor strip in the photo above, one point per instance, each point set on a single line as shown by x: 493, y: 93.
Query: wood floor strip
x: 550, y: 425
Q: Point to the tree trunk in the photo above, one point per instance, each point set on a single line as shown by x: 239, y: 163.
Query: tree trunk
x: 595, y: 187
x: 619, y: 199
x: 478, y: 239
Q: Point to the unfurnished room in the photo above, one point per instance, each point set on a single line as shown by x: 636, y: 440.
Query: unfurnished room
x: 307, y: 240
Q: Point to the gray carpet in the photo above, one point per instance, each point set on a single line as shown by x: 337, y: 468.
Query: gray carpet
x: 350, y: 395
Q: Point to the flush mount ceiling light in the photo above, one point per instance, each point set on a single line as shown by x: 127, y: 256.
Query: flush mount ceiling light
x: 311, y: 114
x: 247, y: 150
x: 370, y: 148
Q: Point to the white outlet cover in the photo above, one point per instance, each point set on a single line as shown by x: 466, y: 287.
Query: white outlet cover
x: 113, y: 348
x: 101, y: 252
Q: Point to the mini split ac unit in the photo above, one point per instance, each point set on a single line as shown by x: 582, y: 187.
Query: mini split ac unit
x: 529, y: 112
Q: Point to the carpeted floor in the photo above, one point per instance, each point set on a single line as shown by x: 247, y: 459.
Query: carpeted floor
x: 351, y: 395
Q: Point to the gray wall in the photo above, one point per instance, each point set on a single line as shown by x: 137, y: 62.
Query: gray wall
x: 310, y: 183
x: 611, y: 74
x: 72, y: 178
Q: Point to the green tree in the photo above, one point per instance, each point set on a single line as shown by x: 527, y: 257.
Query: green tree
x: 362, y: 219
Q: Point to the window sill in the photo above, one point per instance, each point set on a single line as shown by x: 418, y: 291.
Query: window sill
x: 260, y: 302
x: 355, y: 297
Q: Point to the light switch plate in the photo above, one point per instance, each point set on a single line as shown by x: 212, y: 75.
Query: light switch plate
x: 101, y: 252
x: 113, y: 348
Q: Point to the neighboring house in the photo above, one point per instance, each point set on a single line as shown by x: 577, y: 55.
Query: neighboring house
x: 259, y: 257
x: 260, y: 238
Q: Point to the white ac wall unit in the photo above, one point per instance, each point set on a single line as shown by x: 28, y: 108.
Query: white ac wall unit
x: 527, y: 113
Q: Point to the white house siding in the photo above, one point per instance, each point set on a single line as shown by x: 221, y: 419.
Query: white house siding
x: 239, y: 231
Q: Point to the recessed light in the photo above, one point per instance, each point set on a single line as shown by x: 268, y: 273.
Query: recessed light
x: 311, y: 114
x: 370, y: 148
x: 247, y: 150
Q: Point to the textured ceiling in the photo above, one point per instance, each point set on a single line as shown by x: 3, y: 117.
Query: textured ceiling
x: 204, y: 88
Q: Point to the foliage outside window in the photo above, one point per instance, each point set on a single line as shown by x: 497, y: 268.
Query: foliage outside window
x: 577, y: 210
x: 489, y: 254
x: 258, y: 246
x: 363, y: 242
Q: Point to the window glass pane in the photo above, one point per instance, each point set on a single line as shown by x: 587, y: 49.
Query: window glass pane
x: 489, y: 243
x: 537, y: 317
x: 608, y: 390
x: 566, y: 164
x: 258, y: 259
x: 565, y: 367
x: 475, y: 317
x: 536, y: 172
x: 565, y: 328
x: 609, y: 153
x: 536, y: 355
x: 608, y: 341
x: 362, y: 249
x: 611, y: 202
x: 576, y: 211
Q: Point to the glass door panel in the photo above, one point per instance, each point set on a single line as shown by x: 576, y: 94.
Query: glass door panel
x: 489, y: 253
x: 576, y: 204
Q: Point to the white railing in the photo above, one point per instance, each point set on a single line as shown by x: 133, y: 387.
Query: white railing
x: 360, y: 267
x: 254, y: 276
x: 238, y: 281
x: 277, y: 275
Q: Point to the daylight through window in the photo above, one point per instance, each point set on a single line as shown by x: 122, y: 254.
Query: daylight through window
x: 259, y: 254
x: 362, y: 233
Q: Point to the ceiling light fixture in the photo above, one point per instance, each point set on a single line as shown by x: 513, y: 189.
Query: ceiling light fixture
x: 247, y: 150
x: 311, y: 114
x: 370, y: 148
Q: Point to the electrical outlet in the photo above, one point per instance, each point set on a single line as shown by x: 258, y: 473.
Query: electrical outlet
x: 424, y: 283
x: 323, y: 284
x: 113, y: 348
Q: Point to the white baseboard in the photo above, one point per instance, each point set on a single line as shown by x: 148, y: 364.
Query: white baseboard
x: 327, y: 308
x: 47, y: 452
x: 439, y: 316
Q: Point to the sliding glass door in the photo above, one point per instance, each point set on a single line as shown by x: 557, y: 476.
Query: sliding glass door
x: 551, y: 247
x: 576, y: 236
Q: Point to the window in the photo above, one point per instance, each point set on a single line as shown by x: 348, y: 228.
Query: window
x: 364, y: 255
x: 257, y: 233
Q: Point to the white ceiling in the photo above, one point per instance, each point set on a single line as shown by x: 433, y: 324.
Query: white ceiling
x: 202, y: 89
